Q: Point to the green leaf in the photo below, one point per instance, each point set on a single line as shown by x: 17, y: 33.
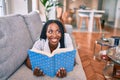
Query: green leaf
x: 58, y: 4
x: 48, y: 6
x: 44, y: 2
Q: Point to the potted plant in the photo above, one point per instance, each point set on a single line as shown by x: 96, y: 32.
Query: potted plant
x: 48, y: 4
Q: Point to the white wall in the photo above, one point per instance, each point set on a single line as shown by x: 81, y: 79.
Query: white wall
x: 110, y: 7
x: 42, y: 12
x: 17, y: 6
x: 92, y: 4
x: 1, y: 8
x: 35, y: 5
x: 117, y: 20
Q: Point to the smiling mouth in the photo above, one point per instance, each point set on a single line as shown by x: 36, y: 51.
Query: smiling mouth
x: 54, y: 40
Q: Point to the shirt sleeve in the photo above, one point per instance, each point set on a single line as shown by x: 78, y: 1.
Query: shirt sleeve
x: 68, y: 41
x: 39, y: 44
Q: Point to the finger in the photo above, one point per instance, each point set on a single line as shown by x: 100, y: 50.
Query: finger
x: 41, y: 73
x: 65, y: 73
x: 36, y: 71
x: 58, y: 73
x: 62, y: 72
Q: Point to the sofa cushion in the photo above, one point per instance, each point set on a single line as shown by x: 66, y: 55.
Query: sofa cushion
x: 34, y: 24
x: 27, y: 74
x: 14, y: 43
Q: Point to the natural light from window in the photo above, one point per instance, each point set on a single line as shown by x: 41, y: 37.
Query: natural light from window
x: 2, y: 7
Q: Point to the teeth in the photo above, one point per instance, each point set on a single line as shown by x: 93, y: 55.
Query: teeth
x: 54, y: 40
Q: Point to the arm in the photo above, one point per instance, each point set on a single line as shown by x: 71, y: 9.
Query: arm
x: 37, y: 71
x: 28, y: 64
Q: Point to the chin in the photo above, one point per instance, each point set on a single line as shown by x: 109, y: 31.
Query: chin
x: 54, y: 44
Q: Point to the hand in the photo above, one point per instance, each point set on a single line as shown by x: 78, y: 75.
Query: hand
x: 28, y: 64
x: 61, y: 73
x: 38, y: 72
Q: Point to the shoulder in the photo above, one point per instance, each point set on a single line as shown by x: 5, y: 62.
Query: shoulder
x: 40, y: 41
x: 67, y: 36
x: 68, y: 41
x: 39, y: 44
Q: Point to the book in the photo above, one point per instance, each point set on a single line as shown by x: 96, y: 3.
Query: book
x: 50, y: 63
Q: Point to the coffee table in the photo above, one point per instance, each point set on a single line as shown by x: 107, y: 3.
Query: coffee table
x: 112, y: 70
x: 101, y: 43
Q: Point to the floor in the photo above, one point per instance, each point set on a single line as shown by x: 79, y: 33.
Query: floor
x: 85, y: 45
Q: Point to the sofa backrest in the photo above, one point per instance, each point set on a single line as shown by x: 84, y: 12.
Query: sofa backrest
x: 15, y: 40
x: 17, y: 35
x: 34, y: 24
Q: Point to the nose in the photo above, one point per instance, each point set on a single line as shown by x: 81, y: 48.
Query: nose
x: 54, y: 34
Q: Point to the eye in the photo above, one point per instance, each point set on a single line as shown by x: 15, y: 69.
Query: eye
x: 58, y: 31
x: 50, y: 31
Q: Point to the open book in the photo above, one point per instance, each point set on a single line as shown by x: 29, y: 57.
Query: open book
x: 50, y: 63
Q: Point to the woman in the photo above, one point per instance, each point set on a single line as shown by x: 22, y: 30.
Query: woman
x: 52, y: 37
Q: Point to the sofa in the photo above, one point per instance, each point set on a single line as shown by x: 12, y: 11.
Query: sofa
x: 17, y: 34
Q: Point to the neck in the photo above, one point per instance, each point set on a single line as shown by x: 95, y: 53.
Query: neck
x: 52, y: 47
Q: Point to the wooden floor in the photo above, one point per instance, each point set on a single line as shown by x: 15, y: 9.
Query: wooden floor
x: 85, y: 45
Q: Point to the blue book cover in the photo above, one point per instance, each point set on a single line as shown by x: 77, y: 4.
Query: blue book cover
x: 50, y: 63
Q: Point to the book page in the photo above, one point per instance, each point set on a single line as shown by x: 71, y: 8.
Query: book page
x: 42, y: 52
x: 58, y: 51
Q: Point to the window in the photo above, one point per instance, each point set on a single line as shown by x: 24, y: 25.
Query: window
x: 2, y: 7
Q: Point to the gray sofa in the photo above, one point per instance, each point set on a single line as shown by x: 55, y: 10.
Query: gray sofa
x: 17, y: 34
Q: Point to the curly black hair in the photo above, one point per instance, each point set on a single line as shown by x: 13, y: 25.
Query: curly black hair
x: 61, y: 27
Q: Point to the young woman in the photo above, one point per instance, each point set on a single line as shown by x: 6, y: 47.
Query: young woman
x: 52, y: 37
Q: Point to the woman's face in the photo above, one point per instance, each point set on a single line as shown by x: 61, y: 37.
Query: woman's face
x: 53, y: 34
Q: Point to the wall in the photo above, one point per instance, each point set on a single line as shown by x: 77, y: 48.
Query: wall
x: 100, y: 4
x: 110, y: 8
x: 42, y: 11
x: 29, y: 5
x: 93, y: 4
x: 2, y: 8
x: 8, y: 7
x: 117, y: 20
x: 35, y: 5
x: 17, y: 6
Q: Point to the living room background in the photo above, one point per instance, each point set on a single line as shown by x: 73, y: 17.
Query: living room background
x: 25, y: 6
